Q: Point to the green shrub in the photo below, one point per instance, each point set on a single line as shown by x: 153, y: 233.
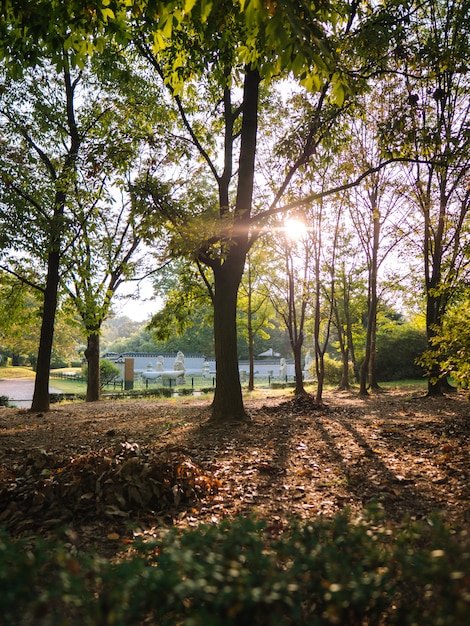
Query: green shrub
x: 185, y: 391
x: 334, y: 370
x: 151, y: 392
x: 398, y: 348
x: 278, y: 385
x: 60, y: 397
x: 241, y: 572
x: 4, y: 401
x: 108, y: 372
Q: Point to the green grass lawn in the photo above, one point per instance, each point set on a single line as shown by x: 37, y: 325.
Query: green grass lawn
x: 68, y: 386
x: 74, y: 386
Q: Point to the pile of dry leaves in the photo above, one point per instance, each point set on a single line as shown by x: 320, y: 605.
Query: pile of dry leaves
x: 103, y: 468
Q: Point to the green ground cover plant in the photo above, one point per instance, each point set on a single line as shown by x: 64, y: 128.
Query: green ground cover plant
x: 336, y: 571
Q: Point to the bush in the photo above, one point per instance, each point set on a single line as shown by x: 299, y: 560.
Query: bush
x: 242, y: 572
x: 397, y: 351
x: 4, y: 401
x: 108, y: 372
x: 61, y: 397
x: 277, y: 385
x: 334, y: 370
x: 151, y: 392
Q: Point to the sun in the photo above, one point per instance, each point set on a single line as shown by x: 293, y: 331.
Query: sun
x: 294, y: 229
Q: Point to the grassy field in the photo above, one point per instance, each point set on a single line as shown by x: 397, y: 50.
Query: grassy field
x: 16, y: 372
x: 75, y: 386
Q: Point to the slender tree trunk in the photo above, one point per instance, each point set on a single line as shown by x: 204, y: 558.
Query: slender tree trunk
x: 92, y: 355
x: 364, y: 370
x: 299, y: 381
x: 350, y: 340
x: 320, y: 378
x: 368, y: 362
x: 43, y: 369
x: 373, y: 382
x: 344, y: 350
x: 344, y: 382
x: 433, y: 268
x: 251, y: 354
x: 41, y: 386
x: 295, y: 326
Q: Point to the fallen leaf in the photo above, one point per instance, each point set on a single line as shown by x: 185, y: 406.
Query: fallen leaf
x: 113, y: 536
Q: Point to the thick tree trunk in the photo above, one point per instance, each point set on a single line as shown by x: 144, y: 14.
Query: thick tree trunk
x: 43, y: 369
x: 92, y: 355
x: 228, y: 401
x: 228, y: 272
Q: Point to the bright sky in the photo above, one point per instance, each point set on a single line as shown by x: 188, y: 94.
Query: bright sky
x: 140, y: 308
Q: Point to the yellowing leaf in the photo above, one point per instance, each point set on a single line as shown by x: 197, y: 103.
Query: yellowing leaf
x: 112, y: 536
x: 339, y: 93
x: 188, y: 5
x: 107, y: 13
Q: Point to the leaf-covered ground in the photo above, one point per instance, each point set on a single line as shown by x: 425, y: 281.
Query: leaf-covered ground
x: 106, y: 471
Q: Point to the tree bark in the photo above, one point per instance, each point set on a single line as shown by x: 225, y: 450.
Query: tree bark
x: 367, y: 366
x: 433, y: 239
x: 349, y: 334
x: 92, y: 355
x: 41, y: 401
x: 299, y: 389
x: 373, y: 382
x: 320, y: 378
x: 251, y: 353
x: 228, y: 272
x: 228, y: 400
x: 344, y: 351
x: 250, y: 334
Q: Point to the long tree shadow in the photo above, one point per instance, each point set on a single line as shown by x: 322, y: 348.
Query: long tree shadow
x: 319, y: 462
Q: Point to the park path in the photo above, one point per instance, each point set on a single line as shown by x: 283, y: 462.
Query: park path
x: 20, y: 391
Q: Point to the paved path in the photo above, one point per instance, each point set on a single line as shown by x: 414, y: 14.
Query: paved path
x: 20, y: 391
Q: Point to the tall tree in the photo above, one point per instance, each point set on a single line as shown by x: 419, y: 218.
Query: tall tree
x: 223, y: 56
x: 68, y: 144
x: 104, y: 257
x: 291, y: 285
x: 430, y: 126
x: 377, y: 213
x: 231, y: 50
x: 38, y: 171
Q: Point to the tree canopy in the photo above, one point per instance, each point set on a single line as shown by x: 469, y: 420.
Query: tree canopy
x: 214, y: 121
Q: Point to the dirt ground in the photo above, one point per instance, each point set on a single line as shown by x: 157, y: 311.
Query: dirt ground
x: 107, y: 471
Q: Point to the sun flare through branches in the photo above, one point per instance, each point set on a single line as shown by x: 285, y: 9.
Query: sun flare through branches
x: 295, y: 229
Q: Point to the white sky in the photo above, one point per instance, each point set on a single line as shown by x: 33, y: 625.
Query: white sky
x: 136, y: 301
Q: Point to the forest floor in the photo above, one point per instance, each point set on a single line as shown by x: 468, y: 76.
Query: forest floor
x: 106, y: 472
